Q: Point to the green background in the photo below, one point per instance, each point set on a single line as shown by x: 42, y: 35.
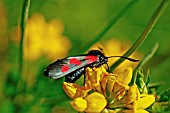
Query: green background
x: 82, y: 20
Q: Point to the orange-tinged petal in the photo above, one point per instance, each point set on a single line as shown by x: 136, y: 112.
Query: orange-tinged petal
x: 81, y: 93
x: 132, y: 94
x: 79, y: 104
x: 126, y: 76
x: 120, y: 94
x: 109, y: 85
x: 118, y: 86
x: 98, y: 88
x: 105, y: 80
x: 96, y: 102
x: 70, y: 89
x: 145, y: 101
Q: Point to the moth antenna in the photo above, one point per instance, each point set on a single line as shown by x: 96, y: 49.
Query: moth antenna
x: 130, y: 59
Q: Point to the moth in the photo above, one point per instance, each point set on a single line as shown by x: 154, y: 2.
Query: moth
x: 73, y: 67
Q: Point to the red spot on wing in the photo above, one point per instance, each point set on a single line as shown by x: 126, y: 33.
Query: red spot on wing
x: 65, y: 68
x: 75, y: 61
x: 91, y: 59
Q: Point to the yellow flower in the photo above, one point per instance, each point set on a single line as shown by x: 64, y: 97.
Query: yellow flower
x: 44, y: 38
x: 111, y: 92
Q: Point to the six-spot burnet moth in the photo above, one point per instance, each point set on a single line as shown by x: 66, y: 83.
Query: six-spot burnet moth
x: 74, y: 67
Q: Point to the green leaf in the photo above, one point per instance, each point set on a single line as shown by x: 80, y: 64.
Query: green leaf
x: 140, y: 82
x: 165, y: 96
x: 24, y: 16
x: 164, y: 102
x: 147, y: 78
x: 161, y: 107
x: 153, y: 87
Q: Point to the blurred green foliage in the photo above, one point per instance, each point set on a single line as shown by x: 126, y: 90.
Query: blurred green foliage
x: 82, y: 20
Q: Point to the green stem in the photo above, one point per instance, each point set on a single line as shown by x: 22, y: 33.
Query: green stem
x: 159, y: 11
x: 144, y: 60
x: 148, y: 56
x: 23, y: 21
x: 108, y: 25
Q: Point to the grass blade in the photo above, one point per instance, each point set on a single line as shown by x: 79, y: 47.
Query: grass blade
x: 155, y: 17
x: 23, y: 21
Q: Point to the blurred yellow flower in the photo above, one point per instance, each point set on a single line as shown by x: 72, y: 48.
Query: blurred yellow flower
x: 44, y: 38
x: 114, y: 47
x: 107, y: 92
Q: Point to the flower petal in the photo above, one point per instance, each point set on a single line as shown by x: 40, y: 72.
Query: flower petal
x: 126, y: 76
x: 95, y: 75
x: 79, y: 104
x: 145, y: 101
x: 70, y: 89
x: 132, y: 94
x: 96, y: 102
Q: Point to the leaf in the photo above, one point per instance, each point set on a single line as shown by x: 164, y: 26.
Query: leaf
x: 153, y: 87
x: 140, y: 82
x: 164, y: 102
x: 165, y: 95
x: 161, y: 107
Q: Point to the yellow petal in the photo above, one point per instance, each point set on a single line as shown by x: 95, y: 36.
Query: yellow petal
x: 105, y: 80
x: 70, y: 89
x: 95, y: 75
x: 145, y: 101
x: 141, y: 111
x: 132, y: 111
x: 98, y: 88
x: 126, y: 76
x: 79, y: 104
x: 96, y: 102
x: 118, y: 86
x: 109, y: 85
x: 132, y: 94
x: 81, y: 93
